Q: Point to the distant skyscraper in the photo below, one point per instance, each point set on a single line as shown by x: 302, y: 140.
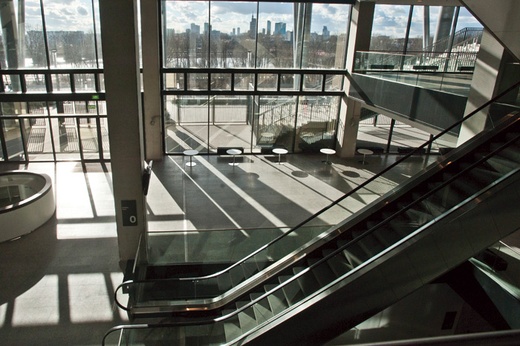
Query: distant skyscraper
x: 195, y: 29
x: 252, y: 27
x: 207, y: 28
x: 268, y: 28
x: 234, y: 31
x: 326, y: 33
x: 238, y: 31
x: 279, y: 29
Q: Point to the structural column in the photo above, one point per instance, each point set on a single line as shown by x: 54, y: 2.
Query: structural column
x: 151, y: 80
x: 495, y: 71
x: 123, y: 95
x: 360, y: 33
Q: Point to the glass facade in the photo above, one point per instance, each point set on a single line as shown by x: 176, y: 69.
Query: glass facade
x: 234, y: 73
x: 275, y: 89
x: 52, y: 107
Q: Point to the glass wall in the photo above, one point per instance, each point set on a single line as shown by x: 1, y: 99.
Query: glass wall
x: 280, y: 60
x: 50, y: 58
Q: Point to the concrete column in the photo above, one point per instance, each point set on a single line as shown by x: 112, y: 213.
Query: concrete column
x: 493, y: 73
x: 123, y: 94
x: 360, y: 34
x: 151, y: 80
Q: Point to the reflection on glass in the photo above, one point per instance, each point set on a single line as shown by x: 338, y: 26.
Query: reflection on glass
x: 333, y: 82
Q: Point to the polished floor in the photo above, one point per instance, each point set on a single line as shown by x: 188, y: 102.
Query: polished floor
x: 57, y: 283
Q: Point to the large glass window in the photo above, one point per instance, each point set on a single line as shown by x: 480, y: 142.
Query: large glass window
x: 70, y: 34
x: 263, y: 37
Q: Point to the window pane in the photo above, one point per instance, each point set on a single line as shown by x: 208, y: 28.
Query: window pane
x: 186, y: 123
x: 220, y: 81
x: 274, y: 121
x: 275, y: 49
x: 65, y: 138
x: 233, y: 28
x: 267, y: 81
x: 61, y: 83
x: 389, y: 27
x: 85, y: 82
x: 290, y: 82
x: 70, y: 33
x: 198, y: 81
x: 325, y: 41
x: 174, y: 81
x: 13, y: 139
x: 229, y: 122
x: 38, y: 139
x: 14, y: 108
x: 185, y: 33
x: 316, y: 127
x: 333, y: 82
x: 244, y: 81
x: 89, y: 138
x: 312, y: 82
x: 103, y: 128
x: 35, y: 83
x: 22, y: 33
x: 12, y: 83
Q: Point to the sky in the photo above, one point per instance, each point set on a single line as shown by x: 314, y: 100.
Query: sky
x: 388, y: 20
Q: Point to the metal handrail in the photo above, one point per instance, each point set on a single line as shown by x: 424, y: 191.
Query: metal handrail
x: 336, y: 202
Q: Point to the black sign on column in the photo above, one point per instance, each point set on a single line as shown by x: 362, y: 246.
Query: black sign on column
x: 129, y: 211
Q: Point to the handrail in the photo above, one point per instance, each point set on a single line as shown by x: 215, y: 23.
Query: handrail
x: 334, y: 203
x: 338, y: 251
x: 301, y: 273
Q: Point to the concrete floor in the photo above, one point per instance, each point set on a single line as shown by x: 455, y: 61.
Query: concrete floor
x: 57, y: 283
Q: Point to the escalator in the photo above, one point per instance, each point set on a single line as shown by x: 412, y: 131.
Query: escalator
x: 369, y: 262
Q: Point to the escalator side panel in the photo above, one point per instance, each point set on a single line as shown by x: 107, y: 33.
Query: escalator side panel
x: 370, y: 290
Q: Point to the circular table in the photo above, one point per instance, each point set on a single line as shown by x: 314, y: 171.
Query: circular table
x: 279, y: 152
x: 191, y: 153
x: 365, y: 152
x: 234, y: 152
x: 327, y: 152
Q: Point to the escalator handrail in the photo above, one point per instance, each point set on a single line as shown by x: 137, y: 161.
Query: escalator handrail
x: 334, y: 203
x: 332, y: 254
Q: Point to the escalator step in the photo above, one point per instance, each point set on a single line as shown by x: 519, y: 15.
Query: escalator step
x: 308, y: 282
x: 276, y: 300
x: 231, y: 326
x: 355, y: 254
x: 262, y: 308
x: 323, y: 273
x: 246, y: 317
x: 371, y: 245
x: 338, y: 263
x: 293, y: 292
x: 236, y: 275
